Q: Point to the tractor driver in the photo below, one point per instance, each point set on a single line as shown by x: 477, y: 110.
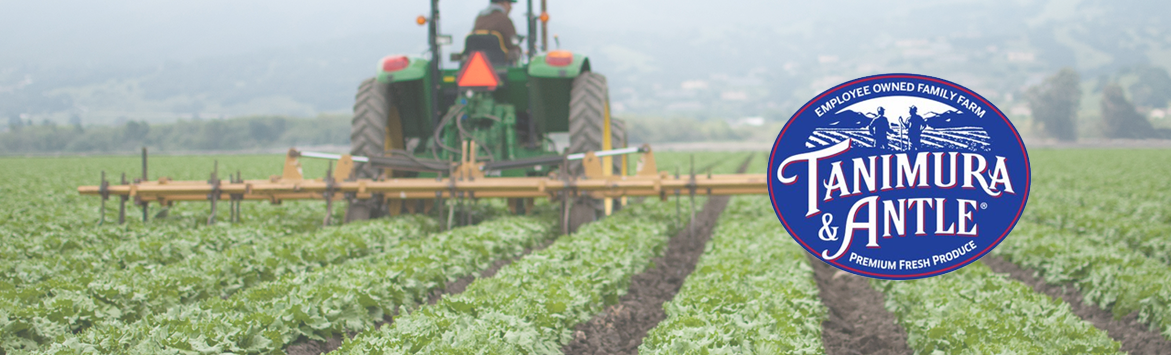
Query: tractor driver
x: 495, y: 18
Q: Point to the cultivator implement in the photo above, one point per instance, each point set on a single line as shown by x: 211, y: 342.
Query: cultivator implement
x: 467, y: 179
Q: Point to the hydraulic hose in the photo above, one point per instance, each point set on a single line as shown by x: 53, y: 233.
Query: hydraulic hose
x: 462, y: 133
x: 443, y: 123
x: 407, y: 155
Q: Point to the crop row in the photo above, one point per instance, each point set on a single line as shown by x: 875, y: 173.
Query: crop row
x: 330, y: 301
x: 975, y: 311
x: 43, y: 207
x: 43, y: 312
x: 751, y: 292
x: 1111, y: 276
x: 1097, y: 222
x: 50, y: 230
x: 1105, y: 199
x: 531, y: 305
x: 1107, y: 218
x: 73, y: 254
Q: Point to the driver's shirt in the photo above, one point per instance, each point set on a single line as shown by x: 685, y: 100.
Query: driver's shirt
x: 494, y: 18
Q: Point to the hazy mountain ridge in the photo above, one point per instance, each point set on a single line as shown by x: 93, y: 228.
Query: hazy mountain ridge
x: 765, y: 63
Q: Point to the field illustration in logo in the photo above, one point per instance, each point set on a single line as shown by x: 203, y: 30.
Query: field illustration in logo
x: 899, y: 176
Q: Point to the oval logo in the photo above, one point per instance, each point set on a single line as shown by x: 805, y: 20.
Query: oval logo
x: 899, y: 176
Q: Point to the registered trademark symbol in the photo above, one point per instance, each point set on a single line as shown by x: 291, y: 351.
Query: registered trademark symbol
x: 983, y: 205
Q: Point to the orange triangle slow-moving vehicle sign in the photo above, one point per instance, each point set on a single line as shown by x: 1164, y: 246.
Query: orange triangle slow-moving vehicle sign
x: 478, y: 74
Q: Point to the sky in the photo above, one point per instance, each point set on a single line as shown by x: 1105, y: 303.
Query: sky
x: 54, y: 32
x: 770, y: 53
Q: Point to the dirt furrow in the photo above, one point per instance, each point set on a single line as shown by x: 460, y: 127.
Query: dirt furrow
x: 1135, y: 337
x: 619, y: 329
x: 858, y: 322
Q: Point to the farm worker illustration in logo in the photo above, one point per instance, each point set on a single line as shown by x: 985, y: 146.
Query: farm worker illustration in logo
x: 915, y: 125
x: 879, y: 128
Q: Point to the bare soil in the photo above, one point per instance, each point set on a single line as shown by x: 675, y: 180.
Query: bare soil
x: 619, y: 328
x: 1135, y: 337
x: 858, y: 322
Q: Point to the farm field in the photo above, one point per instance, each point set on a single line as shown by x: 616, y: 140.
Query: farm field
x: 752, y: 292
x: 1097, y: 224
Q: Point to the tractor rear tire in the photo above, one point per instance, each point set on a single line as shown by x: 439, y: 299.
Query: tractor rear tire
x: 589, y: 100
x: 368, y: 138
x: 368, y: 128
x: 617, y: 133
x: 617, y: 141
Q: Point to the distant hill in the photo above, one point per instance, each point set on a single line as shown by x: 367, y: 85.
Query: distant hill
x: 124, y: 60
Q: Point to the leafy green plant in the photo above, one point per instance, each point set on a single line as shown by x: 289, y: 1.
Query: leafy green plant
x: 40, y: 195
x: 751, y: 292
x: 531, y: 305
x: 82, y: 254
x: 975, y: 311
x: 339, y: 298
x: 1099, y: 219
x: 50, y: 230
x: 1112, y: 277
x: 1106, y: 197
x: 48, y: 310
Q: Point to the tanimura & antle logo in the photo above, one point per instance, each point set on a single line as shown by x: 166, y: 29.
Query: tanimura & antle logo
x: 899, y: 176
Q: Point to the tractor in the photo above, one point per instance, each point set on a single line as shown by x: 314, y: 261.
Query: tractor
x: 427, y: 138
x: 417, y: 115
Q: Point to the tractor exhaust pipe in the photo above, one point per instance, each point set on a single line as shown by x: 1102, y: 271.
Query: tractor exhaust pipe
x: 531, y: 20
x: 433, y: 42
x: 544, y: 29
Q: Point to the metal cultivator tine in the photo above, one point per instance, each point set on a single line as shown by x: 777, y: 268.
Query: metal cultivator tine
x: 563, y: 173
x: 453, y: 197
x: 239, y: 197
x: 439, y: 202
x: 234, y: 199
x: 677, y: 210
x: 105, y: 192
x: 215, y: 191
x: 145, y: 203
x: 691, y: 190
x: 329, y: 186
x: 122, y: 204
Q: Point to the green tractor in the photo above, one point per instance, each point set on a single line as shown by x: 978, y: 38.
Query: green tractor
x: 414, y: 117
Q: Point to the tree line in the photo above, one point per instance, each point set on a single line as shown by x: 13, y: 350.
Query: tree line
x: 1054, y: 104
x: 245, y: 133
